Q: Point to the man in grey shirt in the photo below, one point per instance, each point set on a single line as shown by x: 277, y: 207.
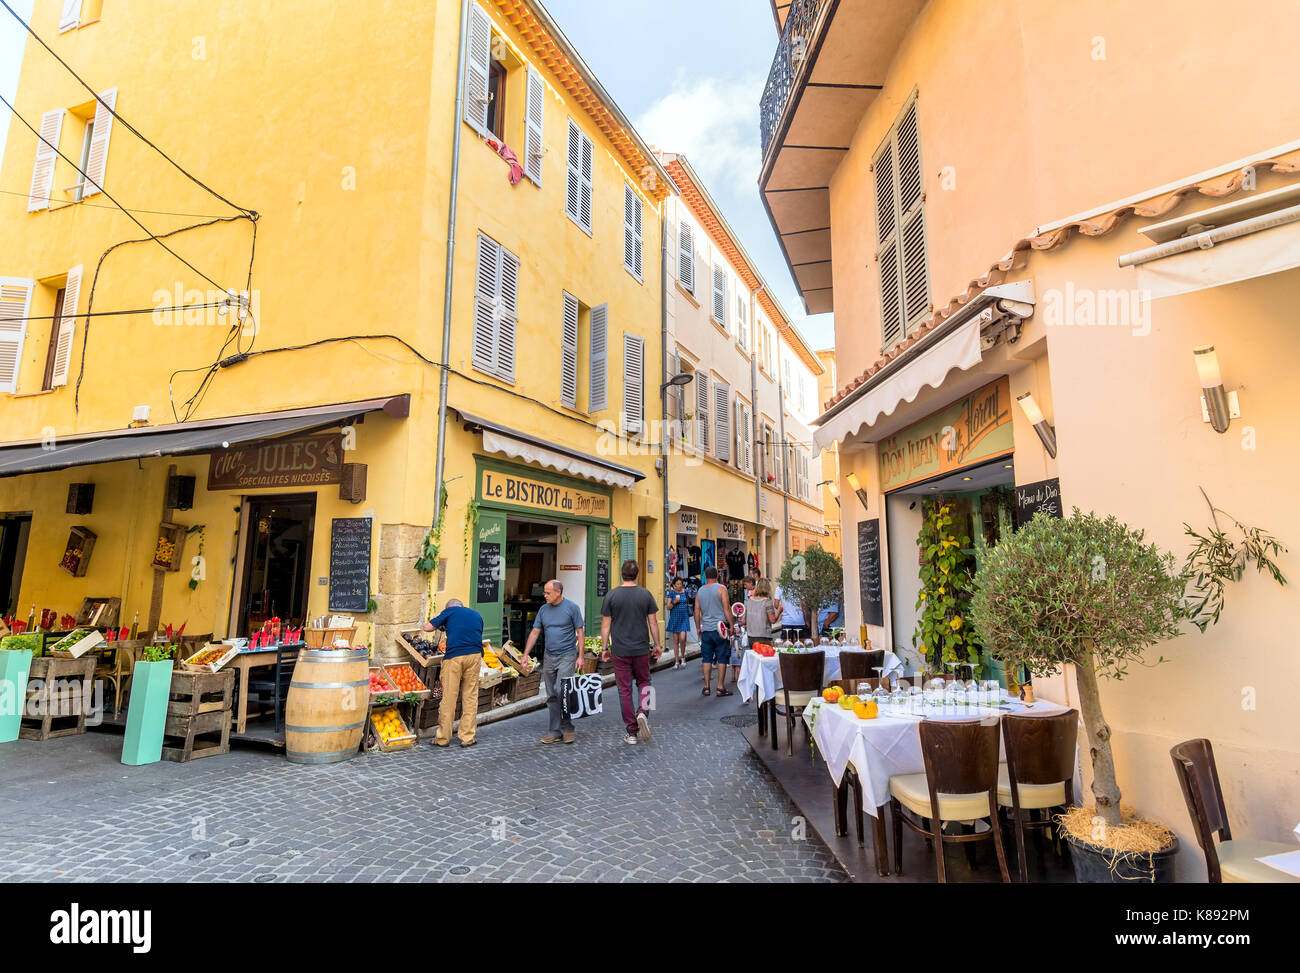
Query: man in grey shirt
x: 563, y: 622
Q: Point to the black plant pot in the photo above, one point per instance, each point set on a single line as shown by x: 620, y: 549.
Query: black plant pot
x: 1094, y: 864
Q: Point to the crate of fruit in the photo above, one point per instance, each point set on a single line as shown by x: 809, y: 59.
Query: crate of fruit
x: 404, y: 678
x: 380, y: 684
x: 76, y: 644
x: 422, y: 647
x: 211, y: 657
x: 391, y: 731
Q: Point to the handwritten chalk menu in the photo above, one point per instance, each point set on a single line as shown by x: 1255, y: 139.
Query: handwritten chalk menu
x: 873, y: 602
x: 1031, y: 498
x: 489, y: 573
x: 350, y: 564
x: 602, y: 577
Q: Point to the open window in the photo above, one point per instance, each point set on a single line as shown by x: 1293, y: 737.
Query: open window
x: 504, y: 96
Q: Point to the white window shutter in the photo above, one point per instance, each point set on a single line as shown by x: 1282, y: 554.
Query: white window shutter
x: 478, y: 65
x: 632, y: 231
x: 742, y: 320
x: 633, y: 383
x: 573, y: 179
x: 487, y: 288
x: 702, y: 408
x: 534, y: 124
x: 509, y: 304
x: 586, y: 183
x: 38, y: 197
x: 569, y: 352
x: 598, y: 397
x: 722, y: 420
x: 686, y: 256
x: 15, y: 303
x: 747, y: 433
x: 97, y: 159
x: 71, y: 15
x: 720, y: 296
x: 67, y: 328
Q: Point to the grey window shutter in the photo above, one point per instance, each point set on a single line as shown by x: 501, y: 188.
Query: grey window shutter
x: 720, y: 296
x: 742, y: 322
x: 38, y: 196
x: 478, y: 64
x: 632, y: 231
x: 915, y: 272
x: 534, y: 124
x: 686, y: 256
x: 702, y: 408
x: 598, y: 396
x: 569, y: 352
x: 487, y: 288
x: 573, y: 179
x: 586, y: 173
x: 633, y: 383
x: 15, y: 304
x: 722, y: 420
x: 509, y: 315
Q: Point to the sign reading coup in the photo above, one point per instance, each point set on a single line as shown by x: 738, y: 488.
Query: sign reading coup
x: 299, y: 461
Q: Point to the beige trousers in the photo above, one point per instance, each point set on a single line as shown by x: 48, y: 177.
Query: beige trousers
x: 459, y: 681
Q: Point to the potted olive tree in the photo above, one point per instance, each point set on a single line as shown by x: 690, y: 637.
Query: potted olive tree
x: 1088, y: 592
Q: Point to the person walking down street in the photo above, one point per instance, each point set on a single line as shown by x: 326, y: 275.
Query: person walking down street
x: 739, y: 630
x: 459, y: 674
x: 629, y: 628
x: 712, y: 620
x: 563, y: 623
x: 679, y: 621
x: 761, y: 614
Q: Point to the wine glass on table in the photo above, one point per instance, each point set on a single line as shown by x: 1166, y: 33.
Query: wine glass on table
x: 954, y: 692
x: 881, y: 695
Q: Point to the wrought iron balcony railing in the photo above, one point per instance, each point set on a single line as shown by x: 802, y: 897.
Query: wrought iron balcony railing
x: 793, y: 50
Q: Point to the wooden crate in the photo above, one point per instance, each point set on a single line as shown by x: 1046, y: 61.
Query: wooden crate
x: 526, y: 686
x: 323, y: 638
x: 198, y: 715
x: 57, y: 689
x: 76, y: 555
x: 175, y: 535
x: 403, y: 742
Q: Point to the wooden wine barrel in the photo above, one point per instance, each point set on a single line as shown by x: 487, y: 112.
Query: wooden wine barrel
x: 329, y: 698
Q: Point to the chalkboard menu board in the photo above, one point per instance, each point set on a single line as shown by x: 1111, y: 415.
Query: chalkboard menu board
x: 1031, y: 498
x: 873, y: 602
x: 602, y: 577
x: 350, y: 564
x: 489, y: 573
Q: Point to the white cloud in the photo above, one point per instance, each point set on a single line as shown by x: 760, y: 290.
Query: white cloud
x: 713, y: 122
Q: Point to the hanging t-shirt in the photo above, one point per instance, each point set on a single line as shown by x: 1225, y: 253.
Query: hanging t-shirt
x: 706, y: 555
x: 735, y: 563
x: 672, y: 562
x: 693, y: 585
x: 693, y: 559
x: 753, y: 562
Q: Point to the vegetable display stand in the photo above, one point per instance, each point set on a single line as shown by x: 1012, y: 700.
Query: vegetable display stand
x: 324, y: 638
x: 146, y: 714
x: 198, y: 715
x: 58, y: 696
x: 15, y: 664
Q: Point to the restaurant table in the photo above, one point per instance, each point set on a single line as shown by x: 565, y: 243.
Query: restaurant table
x: 761, y: 675
x: 889, y: 745
x: 242, y: 662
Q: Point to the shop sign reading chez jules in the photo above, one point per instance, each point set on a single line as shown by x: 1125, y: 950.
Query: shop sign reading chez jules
x: 521, y: 490
x: 976, y: 428
x: 298, y: 461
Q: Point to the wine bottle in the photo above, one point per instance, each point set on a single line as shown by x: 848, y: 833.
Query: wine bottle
x: 135, y: 625
x: 31, y: 620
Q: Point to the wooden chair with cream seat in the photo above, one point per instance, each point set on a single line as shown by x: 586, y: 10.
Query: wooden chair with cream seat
x: 1039, y: 772
x: 960, y: 783
x: 1230, y: 859
x: 801, y: 682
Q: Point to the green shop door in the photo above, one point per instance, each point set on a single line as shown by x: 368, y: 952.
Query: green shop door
x: 489, y: 574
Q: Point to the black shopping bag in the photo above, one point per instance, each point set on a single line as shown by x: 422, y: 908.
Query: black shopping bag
x: 582, y: 695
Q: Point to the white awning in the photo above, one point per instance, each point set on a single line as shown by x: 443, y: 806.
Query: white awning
x: 1258, y: 254
x: 496, y: 442
x: 960, y: 350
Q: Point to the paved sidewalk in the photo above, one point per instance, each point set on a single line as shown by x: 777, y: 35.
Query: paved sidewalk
x: 693, y: 805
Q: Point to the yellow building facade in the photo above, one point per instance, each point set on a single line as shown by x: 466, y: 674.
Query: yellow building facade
x: 330, y: 206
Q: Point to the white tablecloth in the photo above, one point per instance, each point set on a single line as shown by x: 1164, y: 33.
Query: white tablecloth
x: 888, y: 745
x: 761, y: 676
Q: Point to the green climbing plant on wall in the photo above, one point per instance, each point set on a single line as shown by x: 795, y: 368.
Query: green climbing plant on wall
x: 942, y: 633
x: 427, y: 562
x: 471, y: 526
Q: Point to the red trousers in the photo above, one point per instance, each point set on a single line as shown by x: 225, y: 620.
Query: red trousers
x: 627, y: 668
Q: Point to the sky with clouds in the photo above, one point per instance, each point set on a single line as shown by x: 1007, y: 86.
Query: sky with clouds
x: 689, y: 73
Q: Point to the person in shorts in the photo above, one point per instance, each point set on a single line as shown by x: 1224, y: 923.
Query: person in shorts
x: 679, y: 620
x: 712, y: 619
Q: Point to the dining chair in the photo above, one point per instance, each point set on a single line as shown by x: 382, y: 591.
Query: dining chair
x: 801, y: 682
x: 1231, y: 859
x: 855, y: 664
x: 1039, y: 772
x: 960, y: 783
x: 120, y: 674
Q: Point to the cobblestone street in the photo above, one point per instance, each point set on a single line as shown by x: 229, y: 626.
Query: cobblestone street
x: 693, y: 805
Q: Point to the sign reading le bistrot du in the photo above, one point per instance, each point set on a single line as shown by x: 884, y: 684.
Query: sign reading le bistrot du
x: 298, y: 461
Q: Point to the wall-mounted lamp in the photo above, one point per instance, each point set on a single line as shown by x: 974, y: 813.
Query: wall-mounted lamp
x: 1218, y: 407
x: 857, y: 488
x: 1046, y: 432
x: 833, y: 487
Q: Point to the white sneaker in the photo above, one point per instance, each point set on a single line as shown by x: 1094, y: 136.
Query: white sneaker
x: 630, y: 739
x: 643, y: 728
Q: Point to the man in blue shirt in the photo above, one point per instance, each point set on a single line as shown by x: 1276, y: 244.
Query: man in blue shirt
x: 563, y: 622
x: 464, y: 655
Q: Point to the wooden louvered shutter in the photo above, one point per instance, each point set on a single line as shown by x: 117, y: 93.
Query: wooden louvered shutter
x: 891, y: 295
x: 478, y: 66
x: 598, y: 397
x: 569, y: 352
x: 742, y: 319
x: 626, y: 547
x: 534, y: 124
x: 509, y: 315
x: 97, y: 158
x: 15, y: 303
x: 633, y: 384
x: 632, y: 231
x: 720, y: 296
x: 71, y: 15
x: 573, y: 179
x: 38, y: 196
x: 487, y: 288
x: 686, y: 256
x: 586, y: 173
x: 722, y: 421
x: 67, y: 328
x: 911, y: 190
x: 702, y: 409
x: 747, y: 430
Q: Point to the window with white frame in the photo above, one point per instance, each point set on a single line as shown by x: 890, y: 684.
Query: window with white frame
x: 584, y: 334
x: 577, y: 188
x: 490, y: 69
x: 901, y: 255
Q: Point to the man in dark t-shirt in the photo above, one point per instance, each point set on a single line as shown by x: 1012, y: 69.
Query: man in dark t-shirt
x: 629, y: 625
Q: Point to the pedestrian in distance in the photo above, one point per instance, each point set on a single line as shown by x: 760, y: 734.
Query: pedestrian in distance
x: 629, y: 631
x: 563, y: 623
x: 761, y: 614
x: 679, y: 620
x: 712, y: 615
x: 462, y: 658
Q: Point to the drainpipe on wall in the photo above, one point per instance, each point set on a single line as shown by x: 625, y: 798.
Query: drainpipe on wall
x: 663, y: 374
x: 753, y: 422
x: 440, y: 463
x: 785, y: 459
